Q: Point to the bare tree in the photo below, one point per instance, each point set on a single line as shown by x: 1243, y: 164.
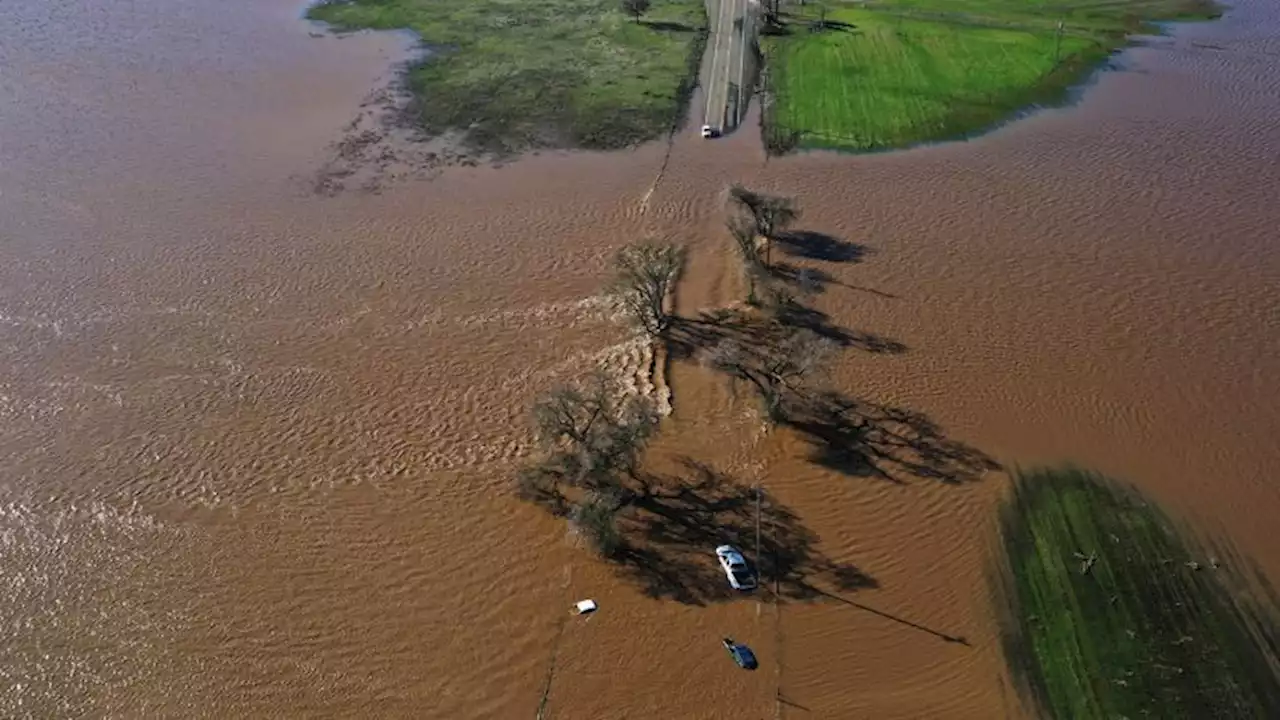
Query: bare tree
x: 774, y: 368
x: 791, y: 285
x: 643, y: 277
x: 743, y: 231
x: 799, y: 357
x: 592, y: 433
x: 635, y: 8
x: 771, y: 214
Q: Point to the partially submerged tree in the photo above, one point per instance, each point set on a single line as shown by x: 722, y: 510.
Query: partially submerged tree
x: 743, y: 232
x: 591, y: 434
x: 771, y: 214
x: 790, y: 286
x: 643, y: 277
x: 774, y: 368
x: 799, y: 357
x: 635, y: 8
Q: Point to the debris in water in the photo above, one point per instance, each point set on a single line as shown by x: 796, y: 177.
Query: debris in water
x: 585, y: 607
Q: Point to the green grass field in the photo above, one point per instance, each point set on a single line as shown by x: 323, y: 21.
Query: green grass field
x: 1148, y: 630
x: 901, y: 72
x: 515, y: 74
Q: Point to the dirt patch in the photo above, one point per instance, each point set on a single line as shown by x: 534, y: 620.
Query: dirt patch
x: 383, y: 145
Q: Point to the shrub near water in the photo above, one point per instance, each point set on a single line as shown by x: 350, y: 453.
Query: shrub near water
x: 512, y: 74
x: 1116, y: 618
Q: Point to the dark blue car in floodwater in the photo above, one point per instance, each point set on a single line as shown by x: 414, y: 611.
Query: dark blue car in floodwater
x: 741, y: 654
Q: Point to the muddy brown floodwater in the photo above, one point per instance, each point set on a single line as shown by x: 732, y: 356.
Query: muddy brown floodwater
x: 257, y: 442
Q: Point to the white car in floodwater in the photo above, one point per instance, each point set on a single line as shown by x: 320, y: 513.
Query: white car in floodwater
x: 735, y: 567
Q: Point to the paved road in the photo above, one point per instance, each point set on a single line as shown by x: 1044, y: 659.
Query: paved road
x: 727, y: 72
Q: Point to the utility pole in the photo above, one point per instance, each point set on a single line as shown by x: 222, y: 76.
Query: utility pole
x: 758, y: 558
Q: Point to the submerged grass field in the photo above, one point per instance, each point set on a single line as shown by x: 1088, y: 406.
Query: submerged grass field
x: 897, y: 73
x: 1113, y: 616
x: 515, y: 74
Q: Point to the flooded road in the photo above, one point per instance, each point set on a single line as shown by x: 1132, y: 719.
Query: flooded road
x: 256, y: 443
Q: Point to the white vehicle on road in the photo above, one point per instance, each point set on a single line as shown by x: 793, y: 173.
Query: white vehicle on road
x: 709, y: 132
x: 735, y: 567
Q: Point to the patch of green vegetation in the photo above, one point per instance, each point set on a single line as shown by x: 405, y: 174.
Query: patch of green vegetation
x: 515, y: 74
x: 878, y: 75
x: 1115, y: 617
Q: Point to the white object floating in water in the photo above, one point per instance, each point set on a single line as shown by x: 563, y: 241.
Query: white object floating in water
x: 585, y: 607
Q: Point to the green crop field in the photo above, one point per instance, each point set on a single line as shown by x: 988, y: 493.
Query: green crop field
x: 1114, y: 616
x: 880, y: 75
x: 514, y: 74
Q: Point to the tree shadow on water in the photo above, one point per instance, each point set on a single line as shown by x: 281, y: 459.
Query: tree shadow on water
x: 866, y: 439
x: 804, y: 280
x: 687, y: 337
x: 797, y: 316
x: 819, y: 246
x: 850, y: 435
x: 945, y: 637
x: 673, y: 528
